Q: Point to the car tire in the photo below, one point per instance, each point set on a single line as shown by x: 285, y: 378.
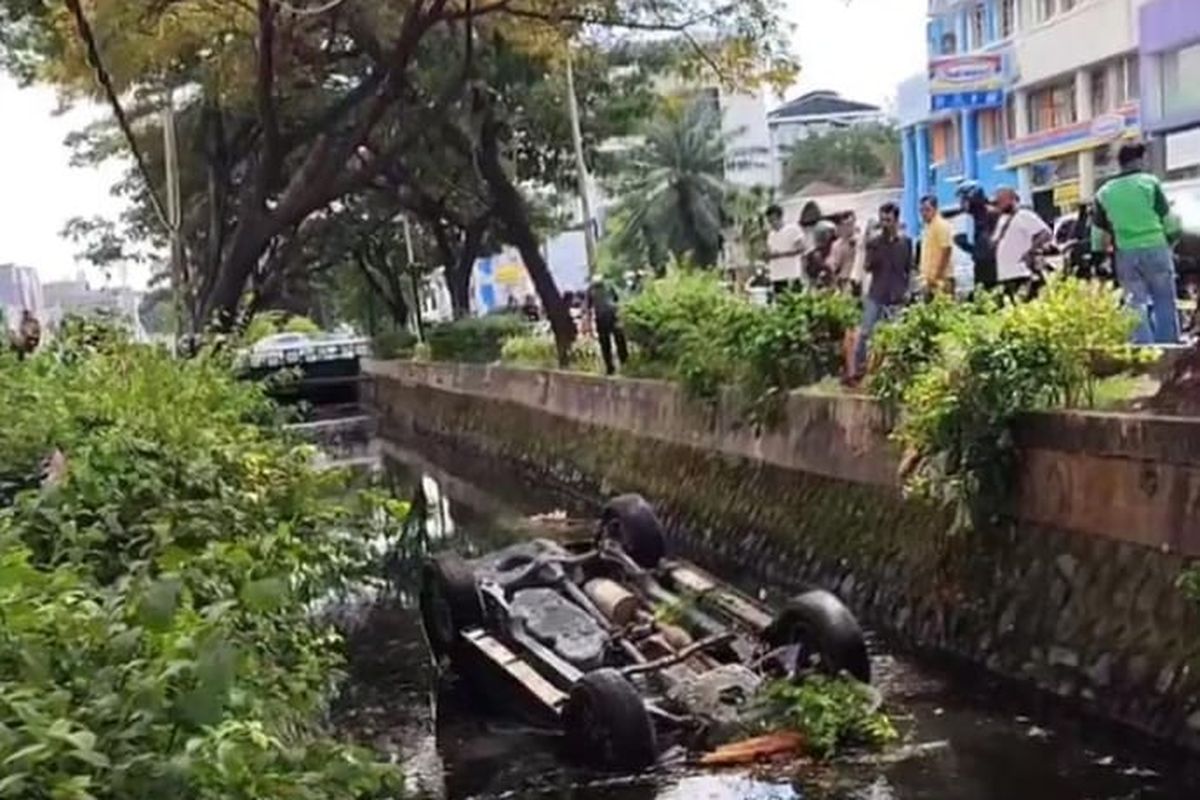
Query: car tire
x: 828, y: 633
x: 450, y: 602
x: 606, y: 723
x: 631, y: 521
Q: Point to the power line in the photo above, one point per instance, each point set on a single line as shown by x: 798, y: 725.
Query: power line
x: 105, y: 81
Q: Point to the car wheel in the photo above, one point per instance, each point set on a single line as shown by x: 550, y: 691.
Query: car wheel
x: 827, y: 634
x: 449, y: 602
x: 631, y: 521
x: 607, y: 725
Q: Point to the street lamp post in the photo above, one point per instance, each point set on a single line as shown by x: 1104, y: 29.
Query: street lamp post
x: 585, y: 199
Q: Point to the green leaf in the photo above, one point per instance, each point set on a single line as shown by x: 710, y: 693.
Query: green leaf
x: 28, y: 753
x: 160, y: 602
x: 266, y: 595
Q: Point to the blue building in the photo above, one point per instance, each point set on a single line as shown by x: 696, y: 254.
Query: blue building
x: 957, y: 118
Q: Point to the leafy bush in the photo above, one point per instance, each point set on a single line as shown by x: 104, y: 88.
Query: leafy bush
x: 158, y: 638
x: 689, y: 328
x: 540, y: 352
x: 268, y: 323
x: 477, y: 340
x: 963, y: 377
x: 795, y: 343
x: 394, y: 344
x: 832, y: 713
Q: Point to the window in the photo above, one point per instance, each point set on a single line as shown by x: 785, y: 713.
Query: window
x: 949, y: 44
x: 945, y: 141
x: 1052, y: 107
x: 1181, y: 90
x: 1067, y: 5
x: 1010, y: 118
x: 1045, y: 9
x: 978, y: 26
x: 1100, y: 98
x: 991, y: 128
x: 1008, y: 18
x: 1129, y: 80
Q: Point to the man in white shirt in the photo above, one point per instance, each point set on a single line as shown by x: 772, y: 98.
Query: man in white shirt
x: 786, y: 244
x: 1020, y: 233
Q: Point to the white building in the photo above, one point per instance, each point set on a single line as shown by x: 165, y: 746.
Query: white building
x: 813, y: 114
x: 66, y: 298
x: 1077, y: 93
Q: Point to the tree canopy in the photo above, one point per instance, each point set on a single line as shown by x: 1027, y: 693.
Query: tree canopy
x: 282, y: 112
x: 853, y: 158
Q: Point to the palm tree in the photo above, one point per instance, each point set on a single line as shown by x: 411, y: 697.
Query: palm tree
x: 673, y: 187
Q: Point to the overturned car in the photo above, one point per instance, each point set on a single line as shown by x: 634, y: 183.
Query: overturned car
x: 626, y: 651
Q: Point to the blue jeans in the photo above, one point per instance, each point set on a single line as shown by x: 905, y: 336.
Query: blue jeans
x: 1148, y: 277
x: 873, y: 314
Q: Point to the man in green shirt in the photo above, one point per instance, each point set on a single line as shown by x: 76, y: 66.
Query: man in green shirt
x: 1134, y: 211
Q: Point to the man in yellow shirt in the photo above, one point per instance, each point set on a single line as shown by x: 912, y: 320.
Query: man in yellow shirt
x: 937, y: 243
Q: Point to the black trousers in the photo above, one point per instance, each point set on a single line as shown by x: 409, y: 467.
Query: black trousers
x: 608, y: 330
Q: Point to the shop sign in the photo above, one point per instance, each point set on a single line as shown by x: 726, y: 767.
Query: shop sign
x: 975, y: 81
x: 1105, y: 129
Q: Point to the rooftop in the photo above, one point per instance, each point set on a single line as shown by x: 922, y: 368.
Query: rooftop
x: 822, y: 103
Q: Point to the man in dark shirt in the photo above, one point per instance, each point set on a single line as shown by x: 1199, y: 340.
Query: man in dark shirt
x: 889, y: 263
x: 603, y: 302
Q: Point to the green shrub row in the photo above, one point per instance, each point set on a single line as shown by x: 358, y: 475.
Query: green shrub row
x: 476, y: 340
x: 690, y: 328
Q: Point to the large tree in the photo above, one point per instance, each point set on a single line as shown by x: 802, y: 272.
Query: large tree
x: 291, y: 108
x: 853, y: 158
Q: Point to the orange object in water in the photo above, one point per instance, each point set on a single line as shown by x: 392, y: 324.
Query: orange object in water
x: 760, y: 748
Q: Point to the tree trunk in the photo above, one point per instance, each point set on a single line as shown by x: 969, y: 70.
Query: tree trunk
x: 510, y: 209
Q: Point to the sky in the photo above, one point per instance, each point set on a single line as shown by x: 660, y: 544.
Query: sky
x: 860, y: 48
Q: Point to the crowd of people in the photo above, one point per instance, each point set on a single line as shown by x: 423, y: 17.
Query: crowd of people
x: 1006, y: 243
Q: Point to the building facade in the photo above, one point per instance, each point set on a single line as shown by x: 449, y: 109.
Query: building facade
x: 1029, y: 93
x: 1169, y: 46
x: 813, y: 114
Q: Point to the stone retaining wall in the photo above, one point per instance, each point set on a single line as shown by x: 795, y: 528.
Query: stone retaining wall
x: 1075, y: 594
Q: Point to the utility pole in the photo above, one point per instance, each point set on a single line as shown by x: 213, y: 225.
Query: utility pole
x: 174, y: 213
x: 585, y: 199
x: 412, y: 274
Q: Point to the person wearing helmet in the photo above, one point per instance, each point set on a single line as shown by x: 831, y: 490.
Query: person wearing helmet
x: 973, y: 202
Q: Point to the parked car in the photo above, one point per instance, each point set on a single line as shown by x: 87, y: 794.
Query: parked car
x: 619, y: 647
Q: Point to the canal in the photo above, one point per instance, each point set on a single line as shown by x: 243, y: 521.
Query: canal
x: 965, y: 737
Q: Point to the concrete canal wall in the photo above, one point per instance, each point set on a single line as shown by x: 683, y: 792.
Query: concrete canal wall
x: 1075, y: 594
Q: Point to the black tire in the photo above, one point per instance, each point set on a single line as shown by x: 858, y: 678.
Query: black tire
x: 607, y: 725
x: 631, y: 521
x: 828, y: 634
x: 450, y: 602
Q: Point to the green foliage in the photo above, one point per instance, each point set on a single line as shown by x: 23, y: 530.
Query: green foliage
x: 688, y: 327
x: 158, y: 636
x: 475, y: 340
x: 963, y: 374
x: 540, y: 352
x: 673, y: 189
x: 832, y: 713
x: 795, y: 343
x: 854, y: 158
x: 268, y: 323
x: 1189, y: 582
x: 394, y: 344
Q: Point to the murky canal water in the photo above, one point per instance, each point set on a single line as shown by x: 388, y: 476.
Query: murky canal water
x: 964, y: 739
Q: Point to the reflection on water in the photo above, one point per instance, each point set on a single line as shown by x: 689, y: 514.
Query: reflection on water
x: 964, y: 740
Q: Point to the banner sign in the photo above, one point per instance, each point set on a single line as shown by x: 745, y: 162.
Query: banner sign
x: 966, y: 81
x: 1123, y: 123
